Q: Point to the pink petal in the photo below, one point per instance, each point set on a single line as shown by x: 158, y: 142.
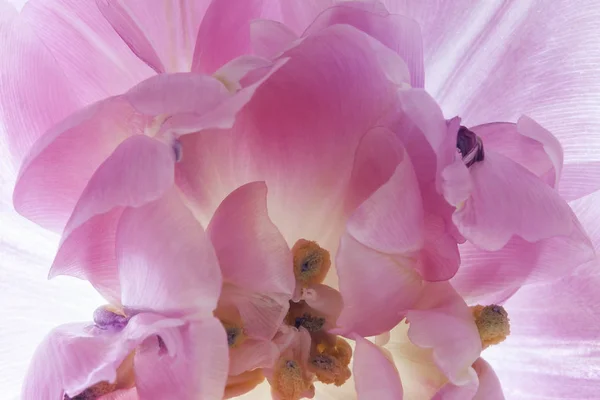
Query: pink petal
x: 579, y: 180
x: 299, y: 15
x: 442, y: 321
x: 88, y: 253
x: 139, y: 171
x: 489, y: 385
x: 224, y: 33
x: 326, y: 300
x: 95, y: 60
x: 552, y: 350
x: 391, y: 219
x: 270, y: 38
x: 375, y: 375
x: 61, y: 163
x: 526, y: 143
x: 530, y: 209
x: 377, y: 289
x: 86, y: 355
x: 35, y: 92
x: 397, y: 32
x: 131, y: 33
x: 251, y: 251
x: 546, y: 71
x: 255, y: 149
x: 252, y: 354
x: 261, y: 314
x: 165, y: 260
x: 124, y: 394
x: 487, y: 276
x: 177, y: 93
x: 234, y: 72
x: 197, y: 369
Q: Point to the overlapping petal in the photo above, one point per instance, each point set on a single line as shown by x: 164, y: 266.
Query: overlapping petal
x: 85, y: 355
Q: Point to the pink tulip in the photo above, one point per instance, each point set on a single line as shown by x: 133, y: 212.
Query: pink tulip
x: 305, y: 143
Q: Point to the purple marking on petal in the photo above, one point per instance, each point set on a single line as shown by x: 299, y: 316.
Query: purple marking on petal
x: 178, y: 149
x: 106, y: 319
x: 470, y: 146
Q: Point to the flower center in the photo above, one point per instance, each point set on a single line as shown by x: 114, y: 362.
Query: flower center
x: 289, y: 380
x: 311, y: 262
x: 470, y: 146
x: 330, y: 362
x: 492, y: 323
x: 301, y: 315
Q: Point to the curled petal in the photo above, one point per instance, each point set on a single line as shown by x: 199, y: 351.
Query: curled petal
x: 165, y: 260
x: 530, y: 209
x: 442, y: 321
x: 526, y: 143
x: 377, y: 289
x: 86, y: 355
x: 196, y: 369
x: 397, y: 32
x: 251, y: 251
x: 375, y: 374
x: 326, y: 300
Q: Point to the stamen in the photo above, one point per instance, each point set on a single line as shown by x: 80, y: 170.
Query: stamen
x: 108, y: 317
x: 311, y: 262
x: 470, y: 146
x: 300, y: 314
x: 310, y: 323
x: 492, y: 323
x: 94, y: 392
x: 289, y: 380
x: 330, y: 363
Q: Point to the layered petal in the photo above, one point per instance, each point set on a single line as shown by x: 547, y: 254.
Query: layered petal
x: 162, y: 34
x: 530, y: 209
x: 224, y: 33
x: 95, y: 60
x: 87, y: 355
x: 526, y: 143
x: 552, y: 350
x: 377, y: 289
x: 307, y: 108
x: 252, y: 354
x: 375, y: 374
x: 195, y: 367
x: 397, y: 32
x: 442, y: 321
x: 251, y: 251
x: 34, y: 91
x: 270, y: 38
x: 165, y: 260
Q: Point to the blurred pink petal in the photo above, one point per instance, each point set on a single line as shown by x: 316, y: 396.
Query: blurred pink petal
x: 152, y: 274
x: 397, y: 32
x: 442, y: 321
x: 377, y: 289
x: 251, y: 251
x: 326, y: 300
x: 483, y: 386
x: 252, y: 354
x: 197, y: 369
x: 124, y: 394
x: 375, y: 374
x: 86, y: 355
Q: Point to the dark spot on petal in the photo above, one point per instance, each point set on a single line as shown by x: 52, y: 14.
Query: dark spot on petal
x: 107, y: 319
x: 470, y: 146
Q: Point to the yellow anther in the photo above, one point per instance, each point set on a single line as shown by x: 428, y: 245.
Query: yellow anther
x: 235, y: 334
x: 330, y: 363
x: 289, y: 380
x: 311, y: 262
x: 492, y: 323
